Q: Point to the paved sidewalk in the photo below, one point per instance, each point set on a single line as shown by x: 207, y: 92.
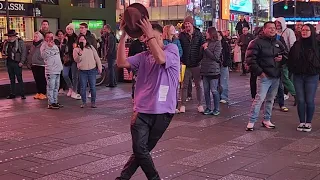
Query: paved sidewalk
x: 93, y: 144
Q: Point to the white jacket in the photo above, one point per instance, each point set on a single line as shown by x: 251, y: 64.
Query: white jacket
x: 287, y: 33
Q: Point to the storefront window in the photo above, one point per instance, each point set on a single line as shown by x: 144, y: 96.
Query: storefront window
x: 89, y: 3
x: 24, y: 26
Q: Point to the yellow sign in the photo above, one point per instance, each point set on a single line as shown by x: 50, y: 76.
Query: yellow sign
x: 225, y: 9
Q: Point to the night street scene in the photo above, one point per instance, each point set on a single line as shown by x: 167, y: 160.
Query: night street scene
x: 159, y: 90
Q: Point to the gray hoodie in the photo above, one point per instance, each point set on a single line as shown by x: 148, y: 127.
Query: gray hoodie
x: 35, y: 55
x: 51, y: 57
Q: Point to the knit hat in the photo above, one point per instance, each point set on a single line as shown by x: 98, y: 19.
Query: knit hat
x: 70, y: 25
x: 188, y: 19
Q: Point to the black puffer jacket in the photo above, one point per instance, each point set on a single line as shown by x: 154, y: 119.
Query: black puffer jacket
x: 226, y: 54
x: 260, y: 56
x: 191, y: 48
x: 303, y: 60
x: 210, y: 63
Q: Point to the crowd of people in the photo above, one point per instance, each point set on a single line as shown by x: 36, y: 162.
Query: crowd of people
x: 165, y: 67
x: 63, y: 62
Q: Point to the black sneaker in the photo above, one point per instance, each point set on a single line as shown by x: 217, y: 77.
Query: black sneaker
x: 11, y: 96
x: 60, y: 105
x: 301, y: 127
x: 208, y: 112
x: 53, y: 106
x: 23, y: 97
x: 307, y: 127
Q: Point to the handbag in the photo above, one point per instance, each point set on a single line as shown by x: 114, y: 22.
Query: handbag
x: 66, y: 58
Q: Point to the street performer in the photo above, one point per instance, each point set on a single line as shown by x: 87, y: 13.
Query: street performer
x: 155, y: 93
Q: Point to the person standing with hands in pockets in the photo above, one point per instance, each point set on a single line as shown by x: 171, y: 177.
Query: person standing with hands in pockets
x: 264, y: 57
x: 156, y: 89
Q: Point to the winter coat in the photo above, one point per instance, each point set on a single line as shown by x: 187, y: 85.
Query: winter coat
x: 260, y: 56
x: 306, y: 62
x: 245, y: 40
x: 111, y: 47
x: 210, y: 63
x: 226, y: 54
x: 19, y: 51
x: 191, y: 48
x: 35, y: 55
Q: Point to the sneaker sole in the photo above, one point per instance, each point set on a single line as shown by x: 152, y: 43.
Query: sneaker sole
x: 300, y: 129
x: 307, y: 130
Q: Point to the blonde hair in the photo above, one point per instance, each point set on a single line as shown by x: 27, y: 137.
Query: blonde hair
x: 166, y: 32
x: 39, y: 35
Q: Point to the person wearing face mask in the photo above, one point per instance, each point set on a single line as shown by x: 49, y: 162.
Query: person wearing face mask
x: 16, y: 53
x: 88, y: 62
x: 305, y: 65
x: 38, y: 66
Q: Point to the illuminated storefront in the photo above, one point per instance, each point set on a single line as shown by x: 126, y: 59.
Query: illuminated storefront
x: 21, y: 18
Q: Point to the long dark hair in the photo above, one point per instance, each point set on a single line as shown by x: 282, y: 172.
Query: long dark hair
x: 87, y: 45
x: 312, y: 39
x: 213, y: 33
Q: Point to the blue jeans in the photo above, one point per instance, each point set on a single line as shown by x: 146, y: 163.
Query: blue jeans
x: 211, y: 86
x: 85, y: 77
x: 224, y: 82
x: 53, y: 83
x: 268, y: 88
x: 306, y: 88
x: 75, y: 76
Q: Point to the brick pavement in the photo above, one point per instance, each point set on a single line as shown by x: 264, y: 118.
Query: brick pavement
x: 90, y: 144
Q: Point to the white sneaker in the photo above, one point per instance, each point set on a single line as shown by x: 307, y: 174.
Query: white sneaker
x: 301, y: 127
x: 69, y: 92
x: 268, y: 125
x: 307, y: 127
x: 286, y: 97
x: 200, y: 109
x: 250, y: 126
x: 182, y: 109
x: 89, y: 95
x: 76, y: 96
x: 223, y: 101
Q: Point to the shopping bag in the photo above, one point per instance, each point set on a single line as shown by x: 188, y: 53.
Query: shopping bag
x: 182, y: 72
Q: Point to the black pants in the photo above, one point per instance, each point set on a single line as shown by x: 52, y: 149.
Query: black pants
x: 146, y: 130
x: 112, y: 81
x: 15, y: 71
x: 63, y: 85
x: 253, y: 85
x: 40, y: 78
x: 243, y: 56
